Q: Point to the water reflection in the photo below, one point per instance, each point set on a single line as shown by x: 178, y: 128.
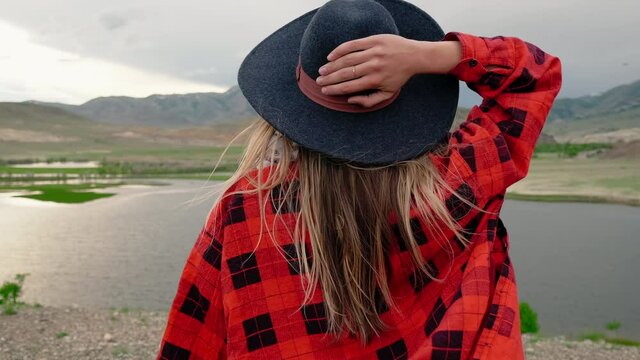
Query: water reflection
x: 576, y: 264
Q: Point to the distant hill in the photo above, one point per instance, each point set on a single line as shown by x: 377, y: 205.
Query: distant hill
x: 570, y: 118
x: 618, y: 100
x: 166, y: 110
x: 41, y: 131
x: 46, y: 120
x: 605, y: 117
x: 614, y: 110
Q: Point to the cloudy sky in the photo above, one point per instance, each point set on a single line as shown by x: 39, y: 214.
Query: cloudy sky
x: 74, y: 50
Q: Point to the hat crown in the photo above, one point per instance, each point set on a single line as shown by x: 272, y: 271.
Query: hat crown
x: 339, y: 21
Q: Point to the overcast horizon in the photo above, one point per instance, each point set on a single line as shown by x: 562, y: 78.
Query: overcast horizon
x: 71, y: 51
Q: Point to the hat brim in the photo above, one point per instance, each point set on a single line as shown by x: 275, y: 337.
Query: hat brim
x: 419, y: 118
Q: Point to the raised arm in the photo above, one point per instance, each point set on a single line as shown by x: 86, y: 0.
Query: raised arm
x: 518, y: 83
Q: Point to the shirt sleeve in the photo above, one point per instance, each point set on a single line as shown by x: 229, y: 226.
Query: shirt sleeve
x: 518, y: 83
x: 196, y: 326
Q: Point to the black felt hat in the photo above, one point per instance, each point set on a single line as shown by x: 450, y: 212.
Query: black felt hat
x: 411, y: 124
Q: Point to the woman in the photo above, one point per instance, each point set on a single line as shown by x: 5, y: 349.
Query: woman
x: 357, y: 225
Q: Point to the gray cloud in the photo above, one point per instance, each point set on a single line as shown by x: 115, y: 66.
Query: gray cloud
x: 206, y: 40
x: 111, y: 21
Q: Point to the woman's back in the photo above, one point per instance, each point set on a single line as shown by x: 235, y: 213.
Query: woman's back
x: 239, y: 297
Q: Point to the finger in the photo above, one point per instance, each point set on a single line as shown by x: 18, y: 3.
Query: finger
x: 350, y: 46
x: 350, y: 59
x: 371, y: 99
x: 344, y: 74
x: 347, y: 87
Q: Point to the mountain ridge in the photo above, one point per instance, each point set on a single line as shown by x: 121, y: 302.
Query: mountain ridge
x: 615, y: 109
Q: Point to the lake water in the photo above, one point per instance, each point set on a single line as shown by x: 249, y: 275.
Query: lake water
x: 577, y: 264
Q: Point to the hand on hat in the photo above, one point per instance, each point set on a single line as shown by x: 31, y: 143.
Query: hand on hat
x: 384, y: 62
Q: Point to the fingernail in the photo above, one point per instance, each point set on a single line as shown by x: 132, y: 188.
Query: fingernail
x: 324, y: 90
x: 329, y: 57
x: 319, y: 79
x: 322, y: 70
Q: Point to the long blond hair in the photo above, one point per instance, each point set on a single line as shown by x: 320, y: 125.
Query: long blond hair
x: 345, y: 211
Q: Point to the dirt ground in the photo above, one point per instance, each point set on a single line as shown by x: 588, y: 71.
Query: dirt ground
x: 75, y: 333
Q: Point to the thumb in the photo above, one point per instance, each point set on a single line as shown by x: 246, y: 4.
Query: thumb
x: 370, y: 99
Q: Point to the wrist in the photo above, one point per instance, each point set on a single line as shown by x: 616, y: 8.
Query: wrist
x: 437, y: 57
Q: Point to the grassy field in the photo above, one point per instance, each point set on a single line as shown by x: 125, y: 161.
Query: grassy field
x: 558, y: 172
x: 554, y: 178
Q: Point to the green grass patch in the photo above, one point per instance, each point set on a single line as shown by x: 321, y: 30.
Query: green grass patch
x: 62, y: 334
x: 63, y: 193
x: 569, y: 150
x: 21, y: 170
x: 613, y: 325
x: 597, y: 336
x: 569, y: 198
x: 612, y: 338
x: 10, y: 173
x: 627, y: 182
x: 66, y: 196
x: 622, y: 341
x: 592, y: 335
x: 120, y: 351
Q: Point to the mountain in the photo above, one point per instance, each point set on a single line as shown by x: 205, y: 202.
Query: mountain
x: 165, y: 110
x: 571, y: 119
x: 45, y: 119
x: 618, y: 100
x: 614, y: 110
x: 34, y: 130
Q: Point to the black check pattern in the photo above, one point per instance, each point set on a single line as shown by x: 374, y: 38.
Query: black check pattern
x: 456, y: 206
x: 236, y: 210
x: 259, y: 332
x: 244, y: 270
x: 418, y: 233
x: 419, y: 279
x: 315, y: 319
x: 173, y: 352
x: 195, y: 305
x: 213, y: 254
x: 281, y: 202
x: 447, y: 345
x: 435, y: 317
x: 395, y: 351
x: 292, y: 258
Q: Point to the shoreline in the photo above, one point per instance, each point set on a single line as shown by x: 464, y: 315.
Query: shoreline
x: 572, y: 198
x: 78, y: 333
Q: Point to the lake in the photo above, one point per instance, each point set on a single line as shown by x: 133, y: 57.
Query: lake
x: 576, y: 264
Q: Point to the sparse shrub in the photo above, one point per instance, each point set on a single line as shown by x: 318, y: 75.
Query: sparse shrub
x: 528, y: 319
x: 10, y: 293
x: 120, y: 351
x: 613, y: 325
x: 592, y: 335
x: 9, y: 309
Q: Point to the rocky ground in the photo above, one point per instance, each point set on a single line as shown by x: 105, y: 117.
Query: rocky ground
x: 74, y: 333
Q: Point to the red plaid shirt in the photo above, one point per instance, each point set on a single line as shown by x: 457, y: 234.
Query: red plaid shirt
x: 231, y: 304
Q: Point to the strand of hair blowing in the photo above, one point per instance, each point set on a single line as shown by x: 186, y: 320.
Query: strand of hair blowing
x: 344, y: 214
